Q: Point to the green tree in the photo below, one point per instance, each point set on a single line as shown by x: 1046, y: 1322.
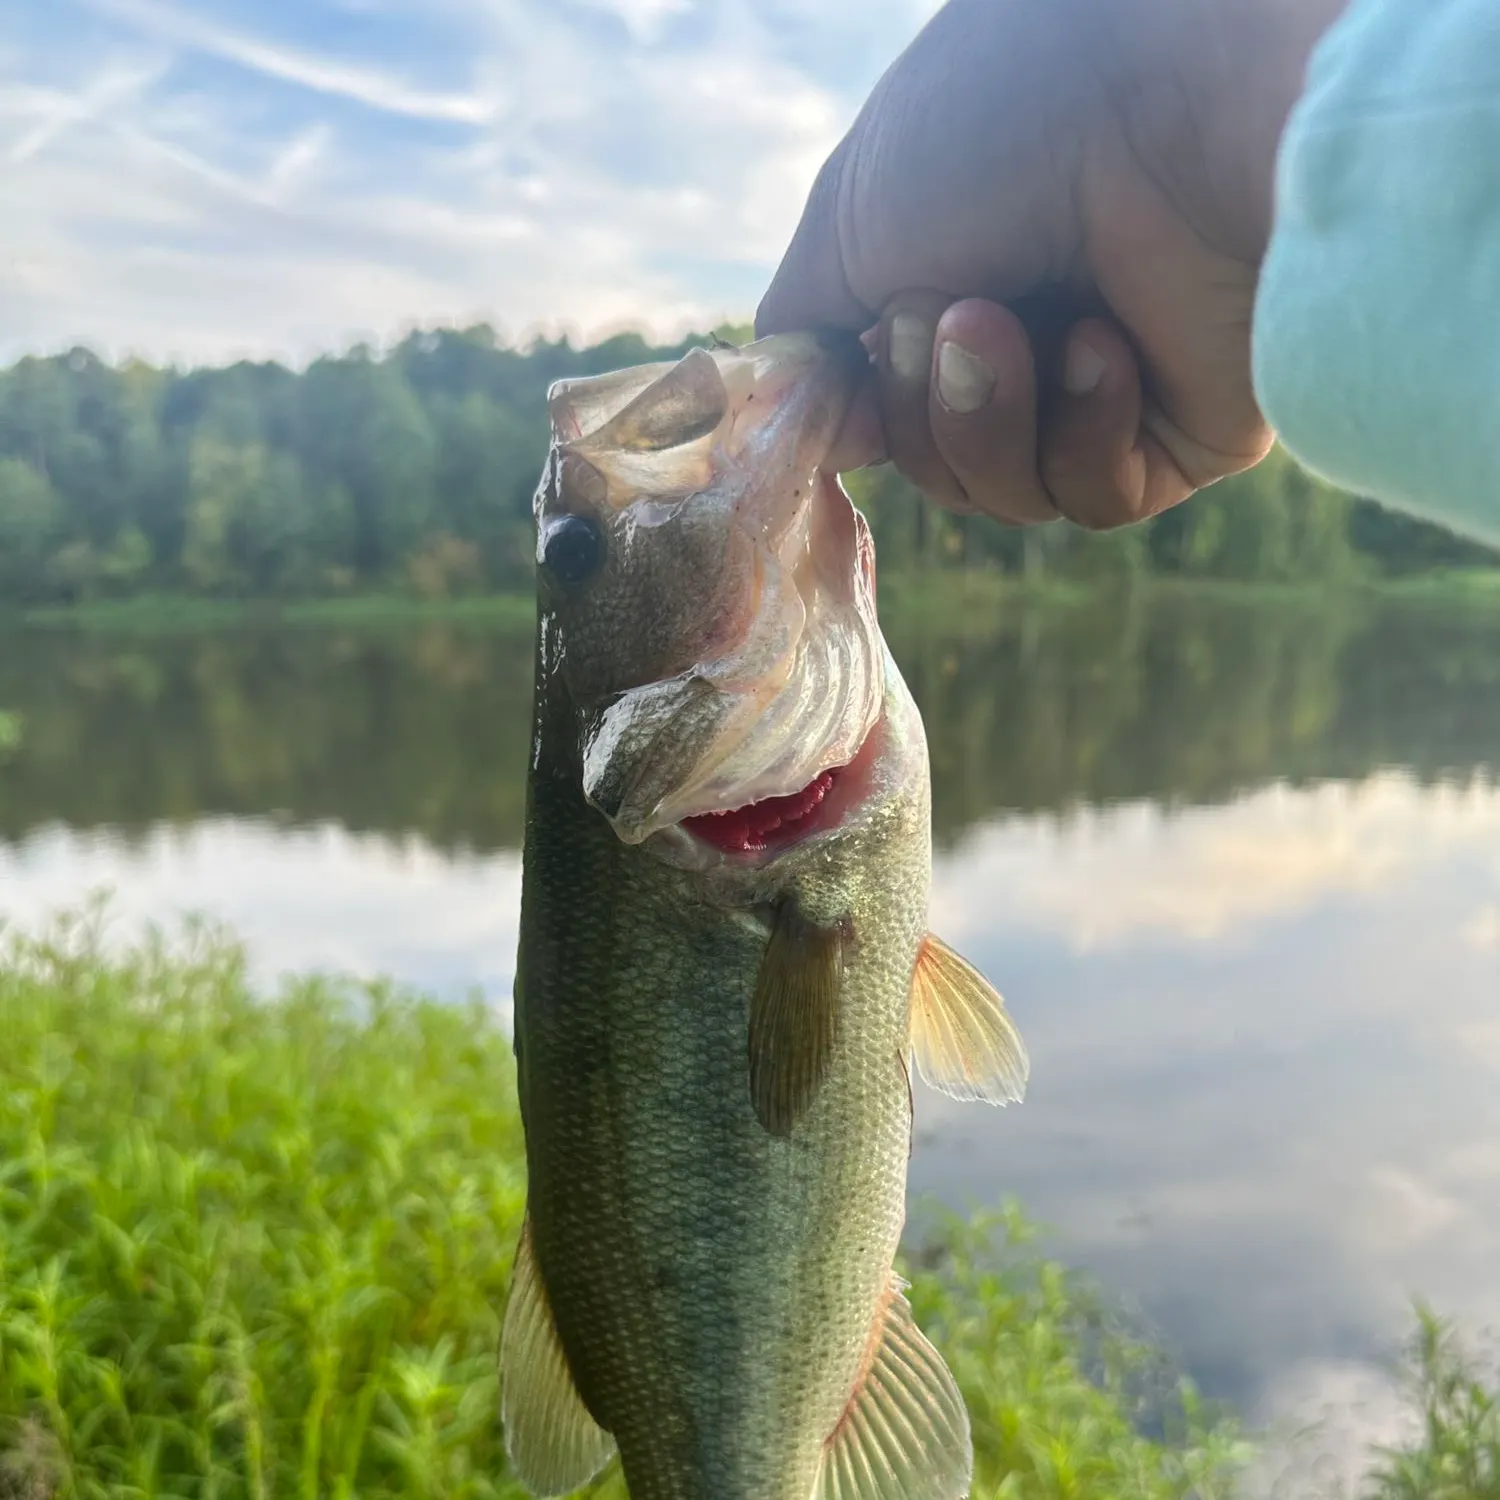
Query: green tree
x: 416, y: 468
x: 363, y: 427
x: 31, y: 522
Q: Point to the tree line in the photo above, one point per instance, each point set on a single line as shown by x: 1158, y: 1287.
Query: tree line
x: 412, y: 470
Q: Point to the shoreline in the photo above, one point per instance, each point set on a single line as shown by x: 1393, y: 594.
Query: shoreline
x: 936, y: 594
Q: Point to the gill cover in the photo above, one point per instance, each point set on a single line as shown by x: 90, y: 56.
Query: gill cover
x: 725, y: 648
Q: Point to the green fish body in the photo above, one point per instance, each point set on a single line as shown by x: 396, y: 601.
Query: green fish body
x: 718, y: 998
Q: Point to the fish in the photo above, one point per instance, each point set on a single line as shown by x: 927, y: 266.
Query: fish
x: 724, y: 973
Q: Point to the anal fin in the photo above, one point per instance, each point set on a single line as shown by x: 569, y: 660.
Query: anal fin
x: 961, y: 1038
x: 794, y: 1017
x: 905, y: 1434
x: 553, y: 1444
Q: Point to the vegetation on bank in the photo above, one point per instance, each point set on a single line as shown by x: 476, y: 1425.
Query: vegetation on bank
x: 1457, y: 1399
x: 966, y: 602
x: 260, y: 1247
x: 411, y: 471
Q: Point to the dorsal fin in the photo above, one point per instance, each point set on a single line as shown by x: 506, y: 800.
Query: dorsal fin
x: 686, y: 403
x: 905, y: 1432
x: 553, y: 1444
x: 961, y: 1038
x: 794, y: 1017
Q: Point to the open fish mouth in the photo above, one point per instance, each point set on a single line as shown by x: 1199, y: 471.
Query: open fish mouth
x: 756, y: 832
x: 746, y: 748
x: 724, y: 654
x: 761, y: 826
x: 755, y: 747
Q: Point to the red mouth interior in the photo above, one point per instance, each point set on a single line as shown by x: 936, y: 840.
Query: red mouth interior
x: 747, y: 830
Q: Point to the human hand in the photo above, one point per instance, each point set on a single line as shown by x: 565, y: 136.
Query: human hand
x: 1051, y: 218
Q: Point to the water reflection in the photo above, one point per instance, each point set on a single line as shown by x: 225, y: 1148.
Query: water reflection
x: 1238, y: 870
x: 317, y: 898
x: 1266, y: 1049
x: 424, y: 730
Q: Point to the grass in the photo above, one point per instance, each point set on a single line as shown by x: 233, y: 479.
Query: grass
x: 246, y: 1250
x: 1060, y: 1395
x: 1456, y: 1455
x: 257, y: 1246
x: 1466, y: 586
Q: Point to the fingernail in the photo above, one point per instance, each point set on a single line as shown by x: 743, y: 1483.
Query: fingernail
x: 1084, y: 368
x: 964, y: 381
x: 909, y: 347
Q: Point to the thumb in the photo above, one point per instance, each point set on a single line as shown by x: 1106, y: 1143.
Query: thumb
x: 810, y: 289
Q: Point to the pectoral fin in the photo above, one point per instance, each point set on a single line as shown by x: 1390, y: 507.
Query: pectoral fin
x: 961, y: 1038
x: 905, y: 1433
x: 794, y: 1017
x: 553, y: 1444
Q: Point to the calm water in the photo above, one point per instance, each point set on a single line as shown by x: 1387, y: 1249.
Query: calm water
x: 1236, y: 866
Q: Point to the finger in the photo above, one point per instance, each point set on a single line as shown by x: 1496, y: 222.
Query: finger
x: 809, y: 289
x: 1101, y: 467
x: 1200, y: 402
x: 903, y: 365
x: 983, y: 413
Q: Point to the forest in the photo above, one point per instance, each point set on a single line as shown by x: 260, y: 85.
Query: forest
x: 412, y: 470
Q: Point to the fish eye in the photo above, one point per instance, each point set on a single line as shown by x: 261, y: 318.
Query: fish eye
x: 572, y: 549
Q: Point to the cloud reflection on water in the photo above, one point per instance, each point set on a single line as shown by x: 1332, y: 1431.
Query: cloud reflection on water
x: 1265, y: 1041
x: 301, y: 898
x: 1116, y: 876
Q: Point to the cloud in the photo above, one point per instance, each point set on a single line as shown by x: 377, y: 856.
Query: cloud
x: 1482, y: 932
x: 47, y: 114
x: 1324, y: 1417
x: 644, y: 18
x: 206, y: 182
x: 297, y: 161
x: 374, y: 89
x: 1263, y: 1098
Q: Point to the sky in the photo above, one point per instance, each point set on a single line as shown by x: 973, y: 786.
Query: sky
x: 200, y: 180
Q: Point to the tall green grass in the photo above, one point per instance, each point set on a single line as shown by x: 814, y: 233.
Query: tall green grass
x: 258, y: 1247
x: 246, y: 1249
x: 1456, y: 1395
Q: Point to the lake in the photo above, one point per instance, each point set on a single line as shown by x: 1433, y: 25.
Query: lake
x: 1235, y: 863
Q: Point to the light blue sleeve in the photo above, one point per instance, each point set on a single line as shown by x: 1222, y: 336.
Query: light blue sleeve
x: 1377, y: 322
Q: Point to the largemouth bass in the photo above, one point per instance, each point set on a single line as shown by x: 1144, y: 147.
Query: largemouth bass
x: 724, y: 968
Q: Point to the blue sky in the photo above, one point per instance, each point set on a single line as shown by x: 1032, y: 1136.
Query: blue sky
x: 202, y: 179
